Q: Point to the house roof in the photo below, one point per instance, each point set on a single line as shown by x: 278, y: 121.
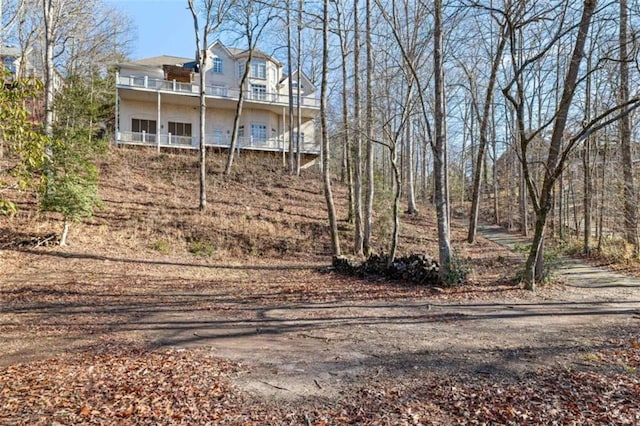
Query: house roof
x: 9, y: 51
x: 158, y: 61
x: 305, y: 80
x: 237, y: 53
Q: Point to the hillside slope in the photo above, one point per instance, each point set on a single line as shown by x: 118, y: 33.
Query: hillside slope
x: 260, y: 212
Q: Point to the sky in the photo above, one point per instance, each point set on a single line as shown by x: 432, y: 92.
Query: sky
x: 162, y: 27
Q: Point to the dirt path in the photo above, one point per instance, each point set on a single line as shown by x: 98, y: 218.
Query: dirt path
x: 304, y: 349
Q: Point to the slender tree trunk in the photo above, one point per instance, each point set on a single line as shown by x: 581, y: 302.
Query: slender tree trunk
x: 553, y: 165
x: 290, y: 89
x: 586, y: 166
x: 347, y: 148
x: 630, y: 211
x: 412, y: 208
x: 396, y: 204
x: 49, y: 89
x: 484, y: 128
x: 299, y: 146
x: 326, y: 152
x: 65, y: 233
x: 368, y: 206
x: 238, y: 113
x: 201, y: 52
x: 358, y: 248
x: 602, y: 193
x: 439, y: 150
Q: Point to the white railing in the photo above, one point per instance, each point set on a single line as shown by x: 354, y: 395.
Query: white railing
x: 145, y: 82
x: 192, y: 142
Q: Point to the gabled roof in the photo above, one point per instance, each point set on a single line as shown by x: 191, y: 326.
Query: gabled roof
x: 236, y: 53
x: 305, y: 80
x: 225, y: 48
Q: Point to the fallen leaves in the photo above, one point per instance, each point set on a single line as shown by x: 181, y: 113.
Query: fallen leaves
x: 117, y: 382
x: 121, y: 384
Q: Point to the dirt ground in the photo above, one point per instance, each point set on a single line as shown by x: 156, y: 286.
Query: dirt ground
x: 300, y: 329
x: 282, y: 339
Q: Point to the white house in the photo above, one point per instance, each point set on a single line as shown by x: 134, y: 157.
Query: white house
x: 157, y: 102
x: 16, y: 63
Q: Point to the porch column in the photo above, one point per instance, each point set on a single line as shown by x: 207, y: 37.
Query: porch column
x: 284, y: 157
x: 117, y: 117
x: 159, y: 122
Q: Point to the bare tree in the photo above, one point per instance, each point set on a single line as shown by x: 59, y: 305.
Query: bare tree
x: 630, y: 212
x: 299, y: 90
x: 252, y: 17
x: 557, y: 151
x: 484, y: 127
x: 326, y: 159
x: 439, y: 147
x: 438, y: 142
x: 290, y: 87
x: 358, y: 246
x: 368, y: 204
x: 213, y: 12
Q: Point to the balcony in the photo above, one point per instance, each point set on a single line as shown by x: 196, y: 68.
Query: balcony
x: 212, y: 91
x: 215, y: 141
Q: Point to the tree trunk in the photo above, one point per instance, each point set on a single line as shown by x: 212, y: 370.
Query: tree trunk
x: 439, y: 149
x: 358, y: 247
x: 586, y: 169
x: 482, y: 149
x: 368, y: 206
x: 396, y: 203
x: 412, y: 209
x: 347, y: 152
x: 331, y: 211
x: 554, y: 164
x: 290, y: 89
x: 202, y: 60
x: 602, y: 192
x: 238, y: 114
x: 65, y: 233
x: 49, y: 89
x: 299, y: 146
x: 630, y: 212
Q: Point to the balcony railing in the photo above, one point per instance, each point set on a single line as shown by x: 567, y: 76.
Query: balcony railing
x: 220, y: 141
x: 214, y: 91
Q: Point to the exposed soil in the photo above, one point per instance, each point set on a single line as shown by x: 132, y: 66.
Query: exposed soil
x: 287, y: 337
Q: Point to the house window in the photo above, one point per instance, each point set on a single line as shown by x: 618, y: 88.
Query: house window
x: 139, y: 125
x: 240, y: 69
x: 259, y: 92
x: 241, y: 132
x: 259, y: 68
x: 217, y: 136
x: 179, y: 129
x: 9, y: 64
x: 259, y: 132
x: 217, y: 65
x: 295, y: 138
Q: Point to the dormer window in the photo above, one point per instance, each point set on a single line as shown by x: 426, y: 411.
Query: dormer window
x: 217, y: 65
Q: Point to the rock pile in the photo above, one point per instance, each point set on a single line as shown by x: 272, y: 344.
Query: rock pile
x: 416, y: 268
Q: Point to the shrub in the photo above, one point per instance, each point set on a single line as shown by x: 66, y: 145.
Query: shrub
x: 201, y: 248
x: 552, y: 258
x: 459, y: 269
x: 161, y: 246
